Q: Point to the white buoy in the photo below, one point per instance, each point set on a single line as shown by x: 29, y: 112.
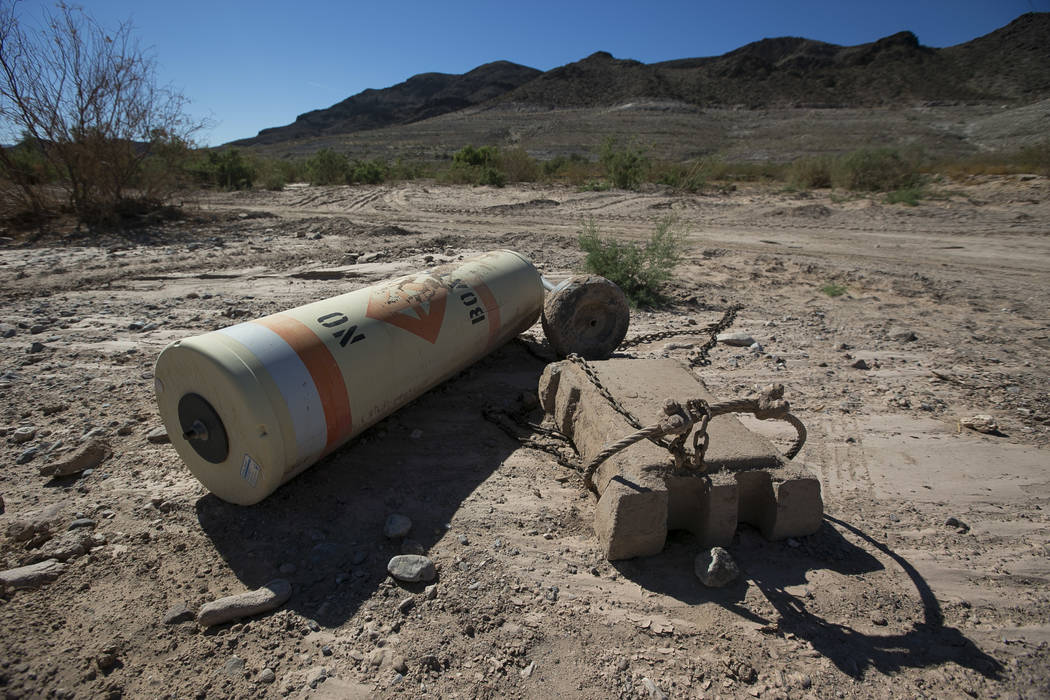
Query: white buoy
x: 250, y: 406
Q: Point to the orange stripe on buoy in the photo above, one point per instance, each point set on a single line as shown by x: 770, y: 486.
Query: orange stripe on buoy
x: 491, y: 309
x: 323, y: 369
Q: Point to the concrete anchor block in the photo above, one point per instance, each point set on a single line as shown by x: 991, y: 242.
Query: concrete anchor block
x: 640, y: 496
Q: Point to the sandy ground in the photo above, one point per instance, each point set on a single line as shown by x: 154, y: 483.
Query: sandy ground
x: 887, y: 600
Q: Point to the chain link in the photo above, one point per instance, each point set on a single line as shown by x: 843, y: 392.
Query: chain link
x: 508, y: 422
x: 700, y: 359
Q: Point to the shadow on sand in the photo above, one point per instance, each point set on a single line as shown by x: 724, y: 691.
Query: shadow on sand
x: 323, y: 531
x: 774, y: 567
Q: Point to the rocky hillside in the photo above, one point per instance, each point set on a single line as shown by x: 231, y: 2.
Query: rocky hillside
x: 419, y: 97
x: 1008, y: 66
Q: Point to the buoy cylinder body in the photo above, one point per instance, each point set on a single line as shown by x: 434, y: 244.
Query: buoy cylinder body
x: 250, y: 406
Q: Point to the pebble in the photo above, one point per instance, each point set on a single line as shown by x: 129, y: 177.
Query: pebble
x: 527, y: 671
x: 82, y: 522
x: 36, y: 347
x: 879, y: 620
x: 24, y: 434
x: 736, y: 339
x: 411, y: 568
x: 861, y: 364
x: 406, y: 605
x: 89, y: 456
x: 904, y: 335
x: 266, y: 676
x: 234, y: 666
x: 178, y: 613
x: 271, y: 596
x: 396, y: 526
x: 960, y: 527
x: 33, y: 575
x: 982, y: 423
x: 27, y: 456
x: 653, y: 690
x: 430, y: 592
x: 715, y: 568
x: 158, y: 436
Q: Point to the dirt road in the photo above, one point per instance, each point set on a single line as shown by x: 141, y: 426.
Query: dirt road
x: 945, y: 303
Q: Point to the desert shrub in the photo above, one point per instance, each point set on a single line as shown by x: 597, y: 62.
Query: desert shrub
x: 906, y: 195
x: 809, y: 173
x: 833, y: 290
x: 640, y: 270
x: 470, y: 156
x: 227, y: 170
x: 690, y: 177
x: 369, y: 172
x: 625, y: 166
x: 518, y: 166
x: 98, y: 122
x: 326, y: 167
x: 492, y: 176
x: 874, y: 170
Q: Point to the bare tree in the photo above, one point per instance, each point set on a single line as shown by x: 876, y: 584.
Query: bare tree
x: 86, y: 101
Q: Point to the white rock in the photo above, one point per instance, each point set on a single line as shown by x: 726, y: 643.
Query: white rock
x: 737, y: 339
x: 272, y: 595
x: 982, y: 423
x: 715, y: 568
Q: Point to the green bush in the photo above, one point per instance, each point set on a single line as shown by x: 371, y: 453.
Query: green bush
x: 690, y: 177
x: 809, y: 173
x: 907, y: 195
x: 624, y: 166
x: 326, y: 167
x: 874, y: 170
x: 477, y: 157
x: 227, y: 170
x: 639, y: 270
x: 833, y: 290
x: 370, y: 172
x: 518, y: 166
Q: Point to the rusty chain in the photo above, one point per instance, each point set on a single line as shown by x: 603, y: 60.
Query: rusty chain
x: 696, y: 410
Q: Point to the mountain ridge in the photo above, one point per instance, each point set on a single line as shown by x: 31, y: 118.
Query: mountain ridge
x: 1008, y: 65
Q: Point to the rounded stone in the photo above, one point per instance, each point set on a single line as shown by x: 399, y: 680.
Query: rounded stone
x: 715, y: 568
x: 411, y: 568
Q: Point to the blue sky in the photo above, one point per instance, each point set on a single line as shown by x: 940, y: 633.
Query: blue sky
x: 251, y: 65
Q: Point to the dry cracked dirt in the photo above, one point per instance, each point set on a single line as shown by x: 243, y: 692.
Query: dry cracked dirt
x: 928, y: 578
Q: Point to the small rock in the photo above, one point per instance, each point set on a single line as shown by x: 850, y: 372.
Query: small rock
x: 266, y: 676
x: 903, y: 335
x: 36, y: 347
x: 271, y: 596
x: 107, y: 658
x: 527, y: 671
x: 737, y: 339
x: 463, y: 539
x: 860, y: 364
x: 32, y: 576
x: 35, y: 528
x: 982, y: 423
x: 960, y: 527
x: 326, y: 650
x: 411, y: 568
x: 24, y: 434
x: 158, y: 436
x: 653, y: 690
x: 715, y: 568
x: 879, y: 620
x: 234, y: 666
x: 28, y: 455
x: 430, y: 592
x: 406, y: 605
x: 87, y: 457
x: 396, y: 526
x: 178, y: 613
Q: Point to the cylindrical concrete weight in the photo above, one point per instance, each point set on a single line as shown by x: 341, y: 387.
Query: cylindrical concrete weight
x: 250, y: 406
x: 587, y: 315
